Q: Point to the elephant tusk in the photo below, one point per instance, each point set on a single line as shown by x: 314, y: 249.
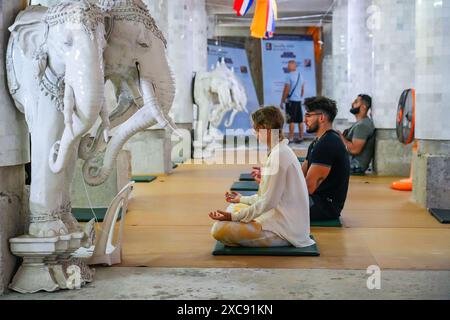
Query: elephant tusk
x: 69, y: 106
x: 106, y: 135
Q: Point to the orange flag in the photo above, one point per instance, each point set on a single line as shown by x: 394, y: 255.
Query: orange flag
x: 259, y: 24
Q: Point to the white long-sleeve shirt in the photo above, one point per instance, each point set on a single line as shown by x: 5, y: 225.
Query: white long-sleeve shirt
x: 282, y: 203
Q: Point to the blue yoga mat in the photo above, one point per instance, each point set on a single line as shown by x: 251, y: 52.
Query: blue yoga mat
x: 245, y: 186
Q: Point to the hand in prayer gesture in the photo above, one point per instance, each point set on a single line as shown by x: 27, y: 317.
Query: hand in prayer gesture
x: 220, y: 215
x: 233, y: 197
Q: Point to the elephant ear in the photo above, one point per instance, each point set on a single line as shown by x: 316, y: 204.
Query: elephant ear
x: 30, y: 34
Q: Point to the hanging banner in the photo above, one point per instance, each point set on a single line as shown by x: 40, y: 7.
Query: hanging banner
x: 235, y: 57
x: 276, y: 53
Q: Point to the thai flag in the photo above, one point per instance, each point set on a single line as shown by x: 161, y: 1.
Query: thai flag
x: 270, y: 18
x: 242, y: 6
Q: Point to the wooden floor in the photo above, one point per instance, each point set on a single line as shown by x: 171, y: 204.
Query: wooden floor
x: 168, y: 226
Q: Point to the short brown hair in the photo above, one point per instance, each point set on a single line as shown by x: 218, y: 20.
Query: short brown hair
x: 269, y: 118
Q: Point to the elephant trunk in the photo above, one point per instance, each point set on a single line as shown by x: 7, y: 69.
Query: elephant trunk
x: 230, y: 121
x: 96, y: 173
x: 82, y: 104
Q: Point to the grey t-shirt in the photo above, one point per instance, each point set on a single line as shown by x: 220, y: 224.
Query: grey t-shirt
x: 363, y: 130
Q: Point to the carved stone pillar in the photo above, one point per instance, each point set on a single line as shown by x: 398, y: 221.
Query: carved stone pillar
x: 14, y: 153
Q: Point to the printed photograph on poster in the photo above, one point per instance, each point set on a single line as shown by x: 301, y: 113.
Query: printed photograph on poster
x: 235, y: 57
x: 276, y: 54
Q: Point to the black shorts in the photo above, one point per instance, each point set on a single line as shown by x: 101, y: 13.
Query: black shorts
x: 320, y: 209
x: 294, y: 113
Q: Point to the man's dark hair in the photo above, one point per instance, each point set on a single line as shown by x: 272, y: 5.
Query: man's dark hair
x: 366, y: 100
x: 323, y: 104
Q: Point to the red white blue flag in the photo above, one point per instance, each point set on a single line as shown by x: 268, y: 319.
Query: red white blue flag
x: 242, y: 6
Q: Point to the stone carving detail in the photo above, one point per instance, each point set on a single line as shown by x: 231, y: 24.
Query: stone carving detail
x: 215, y: 94
x: 134, y: 11
x: 143, y: 83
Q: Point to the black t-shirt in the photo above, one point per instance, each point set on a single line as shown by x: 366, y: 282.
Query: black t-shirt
x: 330, y: 151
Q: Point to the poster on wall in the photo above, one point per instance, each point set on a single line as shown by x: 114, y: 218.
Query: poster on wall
x: 276, y: 53
x: 235, y: 57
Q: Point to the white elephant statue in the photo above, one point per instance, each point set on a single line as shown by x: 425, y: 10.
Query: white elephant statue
x: 216, y: 93
x: 136, y: 64
x: 58, y: 61
x: 56, y: 77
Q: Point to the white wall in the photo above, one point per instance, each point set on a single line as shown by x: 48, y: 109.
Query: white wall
x: 394, y: 53
x: 433, y: 69
x: 184, y: 22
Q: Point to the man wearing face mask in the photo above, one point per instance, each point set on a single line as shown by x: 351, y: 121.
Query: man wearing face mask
x: 359, y: 139
x: 327, y: 167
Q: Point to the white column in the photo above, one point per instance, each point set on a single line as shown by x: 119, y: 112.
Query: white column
x: 14, y: 152
x: 340, y: 58
x: 200, y: 42
x: 433, y: 69
x: 394, y: 54
x: 352, y: 53
x: 14, y: 141
x: 187, y: 51
x: 360, y: 51
x: 158, y: 10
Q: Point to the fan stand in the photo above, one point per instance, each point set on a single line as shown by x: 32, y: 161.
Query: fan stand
x: 406, y: 184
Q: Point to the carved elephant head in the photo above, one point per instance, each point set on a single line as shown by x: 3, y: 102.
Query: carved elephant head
x: 63, y: 46
x: 135, y: 59
x: 231, y: 95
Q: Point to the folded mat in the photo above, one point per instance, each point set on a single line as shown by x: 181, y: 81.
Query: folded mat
x: 221, y: 250
x: 143, y: 179
x: 86, y: 215
x: 442, y: 215
x: 246, y: 177
x: 245, y: 186
x: 327, y: 223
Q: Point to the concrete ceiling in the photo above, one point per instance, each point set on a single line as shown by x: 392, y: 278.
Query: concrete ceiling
x: 290, y: 12
x: 226, y: 6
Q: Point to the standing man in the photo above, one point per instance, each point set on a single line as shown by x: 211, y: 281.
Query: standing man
x: 327, y: 166
x: 360, y: 138
x: 294, y: 90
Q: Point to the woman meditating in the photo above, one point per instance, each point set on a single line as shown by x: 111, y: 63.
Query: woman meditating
x: 278, y: 215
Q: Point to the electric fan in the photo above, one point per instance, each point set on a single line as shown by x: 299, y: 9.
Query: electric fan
x: 406, y: 116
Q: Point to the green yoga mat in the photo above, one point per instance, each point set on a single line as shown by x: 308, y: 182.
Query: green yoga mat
x: 246, y: 177
x: 327, y: 223
x: 143, y: 179
x: 442, y: 215
x: 301, y: 159
x: 221, y: 250
x: 86, y: 215
x: 245, y: 186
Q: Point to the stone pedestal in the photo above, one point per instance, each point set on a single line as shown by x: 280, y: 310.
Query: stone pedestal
x: 40, y: 269
x: 12, y: 217
x: 392, y: 158
x: 431, y: 179
x: 101, y: 196
x: 151, y: 152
